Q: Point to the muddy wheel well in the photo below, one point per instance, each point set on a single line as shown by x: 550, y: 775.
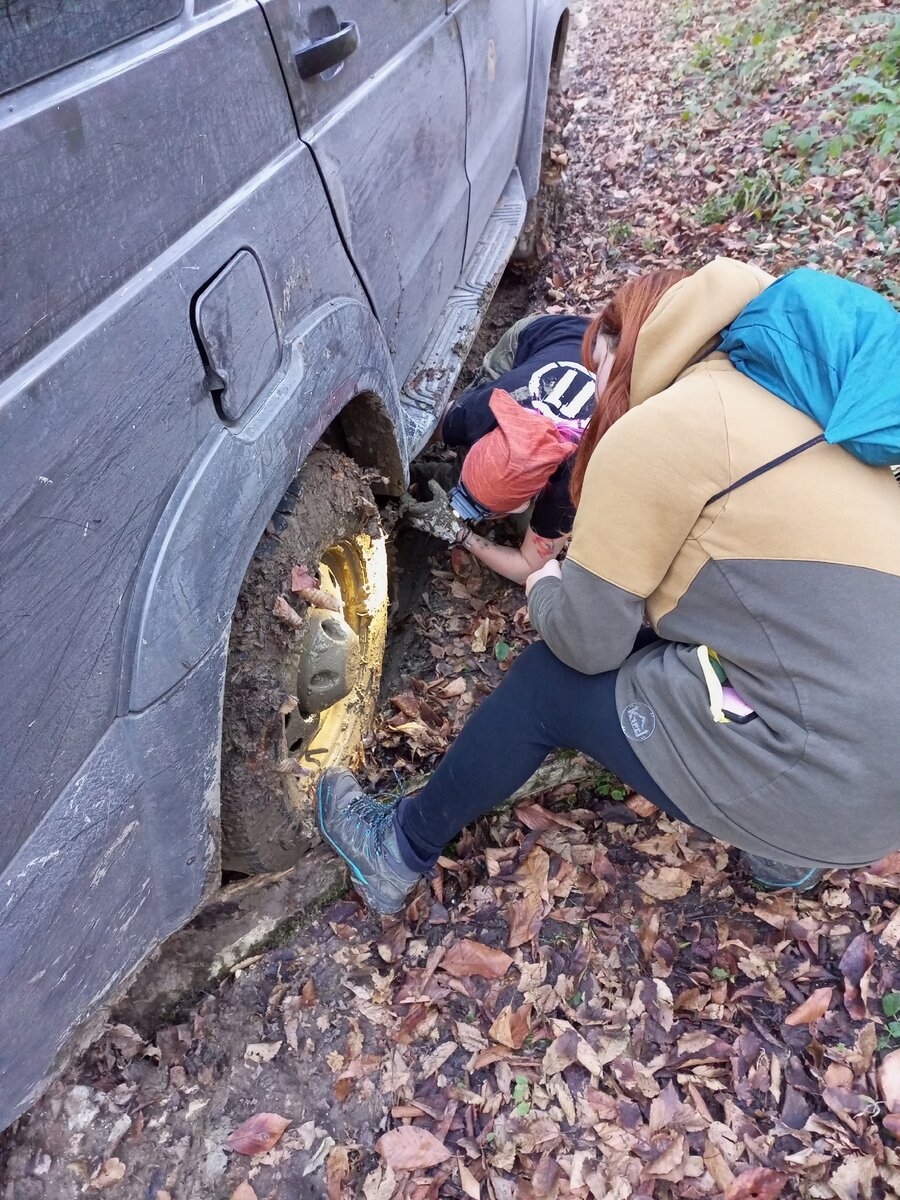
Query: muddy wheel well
x: 364, y: 431
x: 559, y: 48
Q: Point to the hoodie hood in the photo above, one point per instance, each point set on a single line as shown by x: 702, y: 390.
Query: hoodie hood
x: 830, y: 348
x: 688, y: 321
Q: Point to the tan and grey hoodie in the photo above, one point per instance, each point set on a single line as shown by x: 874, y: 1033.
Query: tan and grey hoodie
x: 792, y: 581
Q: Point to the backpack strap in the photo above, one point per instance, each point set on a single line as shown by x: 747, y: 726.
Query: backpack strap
x: 776, y: 462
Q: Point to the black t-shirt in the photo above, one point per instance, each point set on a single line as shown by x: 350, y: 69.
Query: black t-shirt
x: 547, y: 376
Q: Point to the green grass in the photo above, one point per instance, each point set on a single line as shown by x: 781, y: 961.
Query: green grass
x: 757, y: 194
x: 776, y: 58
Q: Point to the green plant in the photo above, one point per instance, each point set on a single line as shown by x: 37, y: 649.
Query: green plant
x: 606, y: 784
x: 758, y: 194
x: 618, y: 231
x: 890, y: 1006
x: 873, y: 116
x: 775, y: 135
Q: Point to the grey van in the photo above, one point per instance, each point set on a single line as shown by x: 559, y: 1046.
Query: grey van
x: 244, y: 246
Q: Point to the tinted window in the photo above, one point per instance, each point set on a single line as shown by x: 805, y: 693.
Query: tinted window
x: 40, y: 36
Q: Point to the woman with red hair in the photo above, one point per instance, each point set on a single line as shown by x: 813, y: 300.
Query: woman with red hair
x: 721, y: 632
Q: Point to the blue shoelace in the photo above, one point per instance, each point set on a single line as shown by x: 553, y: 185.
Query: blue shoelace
x: 375, y: 816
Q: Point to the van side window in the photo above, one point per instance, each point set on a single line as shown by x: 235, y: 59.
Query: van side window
x: 40, y: 36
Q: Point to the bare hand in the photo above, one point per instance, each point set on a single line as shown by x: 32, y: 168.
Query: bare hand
x: 550, y: 570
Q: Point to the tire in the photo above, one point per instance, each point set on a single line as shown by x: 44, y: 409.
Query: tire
x: 544, y: 210
x: 272, y: 758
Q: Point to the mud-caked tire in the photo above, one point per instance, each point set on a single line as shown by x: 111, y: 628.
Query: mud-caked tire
x: 272, y: 751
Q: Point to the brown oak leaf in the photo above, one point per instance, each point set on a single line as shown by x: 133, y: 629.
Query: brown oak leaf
x: 856, y: 965
x: 525, y: 918
x: 814, y: 1007
x: 889, y: 1080
x: 759, y: 1183
x: 257, y: 1134
x: 409, y: 1148
x: 512, y: 1026
x: 473, y: 958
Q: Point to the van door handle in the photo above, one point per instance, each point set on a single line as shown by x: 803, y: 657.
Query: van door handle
x: 324, y: 53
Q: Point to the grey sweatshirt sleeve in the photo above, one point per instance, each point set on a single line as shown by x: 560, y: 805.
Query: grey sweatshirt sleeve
x: 588, y: 623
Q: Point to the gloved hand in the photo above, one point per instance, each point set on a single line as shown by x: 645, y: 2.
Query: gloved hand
x: 434, y: 516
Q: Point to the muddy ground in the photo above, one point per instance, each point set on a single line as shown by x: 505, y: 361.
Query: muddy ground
x: 588, y: 1000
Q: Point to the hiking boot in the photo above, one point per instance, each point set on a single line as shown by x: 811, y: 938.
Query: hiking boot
x: 361, y: 829
x: 773, y: 875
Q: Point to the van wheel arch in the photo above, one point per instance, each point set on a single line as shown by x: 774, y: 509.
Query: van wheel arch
x: 299, y: 698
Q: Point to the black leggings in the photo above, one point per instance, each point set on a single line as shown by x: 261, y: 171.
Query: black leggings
x: 541, y: 705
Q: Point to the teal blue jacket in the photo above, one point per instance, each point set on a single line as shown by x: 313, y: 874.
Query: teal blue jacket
x: 831, y: 349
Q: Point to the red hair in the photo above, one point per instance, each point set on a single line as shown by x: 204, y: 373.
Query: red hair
x: 621, y: 323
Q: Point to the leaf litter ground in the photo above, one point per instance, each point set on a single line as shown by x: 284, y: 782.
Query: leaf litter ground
x: 588, y: 1000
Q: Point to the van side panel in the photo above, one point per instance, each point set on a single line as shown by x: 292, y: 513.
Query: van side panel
x: 125, y: 853
x: 121, y: 861
x: 99, y: 426
x: 88, y: 199
x: 97, y: 445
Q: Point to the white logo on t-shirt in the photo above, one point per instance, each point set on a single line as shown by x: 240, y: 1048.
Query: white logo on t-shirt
x: 562, y: 391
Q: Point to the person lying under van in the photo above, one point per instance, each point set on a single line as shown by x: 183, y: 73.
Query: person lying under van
x: 519, y: 425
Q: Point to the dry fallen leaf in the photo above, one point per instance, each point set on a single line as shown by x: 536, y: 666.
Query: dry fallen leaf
x: 814, y: 1007
x: 512, y: 1026
x: 856, y: 966
x: 433, y: 1062
x: 380, y: 1185
x: 257, y: 1134
x: 853, y: 1179
x: 544, y: 1177
x: 561, y: 1053
x: 261, y: 1052
x: 286, y: 613
x: 111, y: 1172
x: 468, y: 957
x: 307, y: 587
x: 534, y: 873
x: 469, y: 1183
x: 302, y: 577
x: 126, y: 1040
x: 525, y: 918
x: 669, y: 1164
x: 759, y: 1183
x: 336, y: 1172
x: 641, y: 806
x: 409, y: 1148
x: 480, y: 636
x: 535, y: 816
x: 666, y: 883
x: 244, y: 1191
x: 889, y: 1080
